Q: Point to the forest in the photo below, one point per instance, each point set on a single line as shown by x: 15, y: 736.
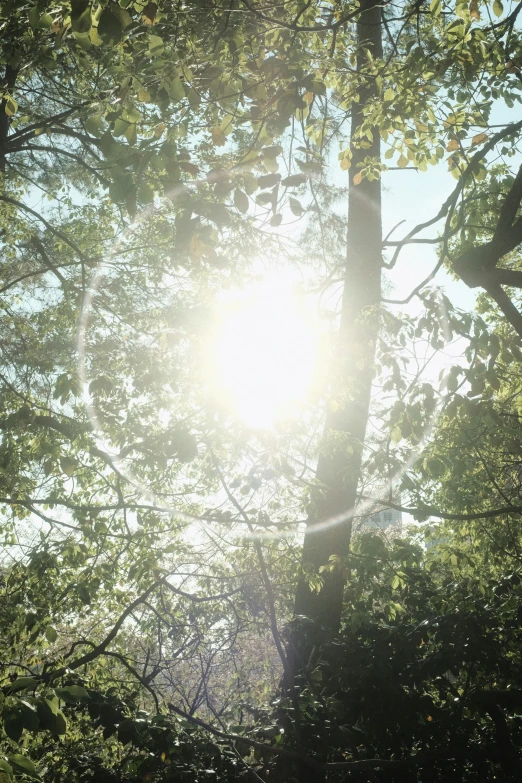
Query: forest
x: 261, y: 391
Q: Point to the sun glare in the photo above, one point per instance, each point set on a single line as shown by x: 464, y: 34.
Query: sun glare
x: 266, y: 352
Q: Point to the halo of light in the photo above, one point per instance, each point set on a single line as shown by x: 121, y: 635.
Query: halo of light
x: 360, y: 509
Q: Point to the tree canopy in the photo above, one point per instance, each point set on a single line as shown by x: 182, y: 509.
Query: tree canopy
x: 185, y: 596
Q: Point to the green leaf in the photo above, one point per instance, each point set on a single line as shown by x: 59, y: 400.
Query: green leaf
x: 67, y: 465
x: 72, y: 694
x: 45, y: 21
x: 23, y: 684
x: 13, y: 724
x: 272, y: 152
x: 155, y: 45
x: 436, y: 467
x: 81, y: 17
x: 241, y: 200
x: 24, y: 765
x: 317, y: 87
x: 109, y: 27
x: 268, y: 180
x: 294, y: 180
x: 396, y: 434
x: 218, y: 214
x: 34, y: 17
x: 296, y: 206
x: 6, y: 769
x: 175, y: 90
x: 84, y: 594
x: 50, y: 634
x: 436, y: 7
x: 498, y: 8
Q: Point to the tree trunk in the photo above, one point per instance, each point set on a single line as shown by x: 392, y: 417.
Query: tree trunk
x: 339, y: 465
x: 8, y: 83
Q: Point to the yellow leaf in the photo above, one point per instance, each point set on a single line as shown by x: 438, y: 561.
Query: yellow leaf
x: 218, y: 137
x: 402, y: 162
x: 452, y: 145
x: 159, y: 130
x: 357, y: 179
x: 10, y: 106
x: 480, y: 138
x: 308, y: 96
x: 345, y: 164
x: 429, y: 718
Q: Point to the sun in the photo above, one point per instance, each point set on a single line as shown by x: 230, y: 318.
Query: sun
x: 265, y: 352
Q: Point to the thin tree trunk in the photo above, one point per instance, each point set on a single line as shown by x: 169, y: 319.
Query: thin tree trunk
x: 339, y: 466
x: 9, y: 82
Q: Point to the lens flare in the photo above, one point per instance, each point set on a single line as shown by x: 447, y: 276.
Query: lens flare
x: 265, y: 352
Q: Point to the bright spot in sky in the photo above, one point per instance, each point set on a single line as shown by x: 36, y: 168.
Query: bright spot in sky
x: 266, y: 352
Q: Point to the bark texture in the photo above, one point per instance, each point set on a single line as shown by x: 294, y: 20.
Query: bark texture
x: 339, y: 465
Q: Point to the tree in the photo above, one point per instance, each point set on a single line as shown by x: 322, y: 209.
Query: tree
x: 189, y: 115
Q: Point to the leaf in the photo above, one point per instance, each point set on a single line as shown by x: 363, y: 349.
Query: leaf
x: 67, y: 465
x: 474, y: 9
x: 389, y: 94
x: 13, y: 724
x: 396, y: 434
x: 175, y: 90
x: 317, y: 87
x: 81, y: 18
x: 50, y: 634
x: 480, y: 138
x: 276, y: 220
x: 358, y: 178
x: 72, y: 694
x: 452, y: 145
x: 149, y: 13
x: 294, y: 180
x: 218, y: 214
x: 155, y: 45
x: 24, y: 765
x: 402, y: 162
x: 29, y: 716
x: 436, y: 7
x: 23, y: 684
x: 436, y: 467
x: 309, y: 166
x: 498, y: 8
x: 60, y: 724
x: 45, y: 22
x: 109, y: 27
x: 84, y: 594
x: 123, y: 16
x: 265, y: 198
x: 189, y: 168
x: 10, y: 105
x: 272, y: 152
x: 268, y: 180
x: 241, y: 200
x: 6, y: 768
x: 296, y: 207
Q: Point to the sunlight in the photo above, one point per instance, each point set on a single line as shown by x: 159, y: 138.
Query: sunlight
x: 266, y: 352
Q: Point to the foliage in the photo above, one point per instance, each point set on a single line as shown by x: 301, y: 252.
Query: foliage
x: 149, y: 153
